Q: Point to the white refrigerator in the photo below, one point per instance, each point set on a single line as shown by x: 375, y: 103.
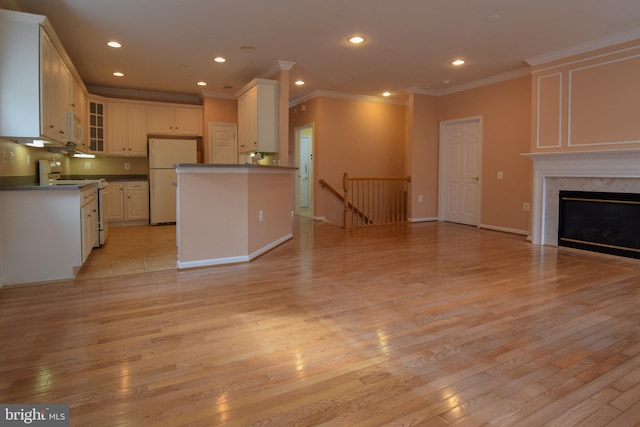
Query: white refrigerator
x: 164, y: 154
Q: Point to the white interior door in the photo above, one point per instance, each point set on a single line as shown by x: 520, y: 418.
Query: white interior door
x: 304, y: 172
x: 222, y: 144
x: 460, y: 166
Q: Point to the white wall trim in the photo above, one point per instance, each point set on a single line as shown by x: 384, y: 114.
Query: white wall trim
x: 234, y: 259
x: 584, y: 47
x: 270, y: 246
x: 343, y: 95
x: 213, y: 261
x: 429, y: 219
x: 560, y: 89
x: 504, y: 229
x: 498, y: 78
x: 570, y: 106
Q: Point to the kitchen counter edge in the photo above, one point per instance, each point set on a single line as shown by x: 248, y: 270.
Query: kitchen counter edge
x: 233, y: 166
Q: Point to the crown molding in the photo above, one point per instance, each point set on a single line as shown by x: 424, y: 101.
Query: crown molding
x: 343, y: 95
x: 584, y: 47
x: 498, y: 78
x: 280, y: 65
x: 144, y: 95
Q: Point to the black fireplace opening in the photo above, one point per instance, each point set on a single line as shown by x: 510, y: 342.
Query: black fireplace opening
x: 600, y: 222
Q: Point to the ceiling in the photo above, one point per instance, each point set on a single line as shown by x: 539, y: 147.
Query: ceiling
x: 168, y: 45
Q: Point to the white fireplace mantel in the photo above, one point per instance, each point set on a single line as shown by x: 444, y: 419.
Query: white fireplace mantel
x: 587, y: 166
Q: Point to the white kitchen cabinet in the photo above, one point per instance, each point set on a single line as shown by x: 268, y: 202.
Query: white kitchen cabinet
x: 115, y: 202
x: 126, y: 129
x: 258, y: 117
x: 136, y: 200
x: 55, y: 92
x: 96, y: 125
x: 89, y: 219
x: 35, y: 79
x: 129, y: 202
x: 41, y: 233
x: 174, y: 120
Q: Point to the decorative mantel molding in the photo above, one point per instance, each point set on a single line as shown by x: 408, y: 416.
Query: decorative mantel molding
x: 575, y: 164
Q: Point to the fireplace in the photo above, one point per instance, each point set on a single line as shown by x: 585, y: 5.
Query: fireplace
x: 600, y: 221
x: 605, y: 171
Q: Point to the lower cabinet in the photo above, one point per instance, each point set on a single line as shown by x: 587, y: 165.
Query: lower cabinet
x: 129, y: 201
x: 89, y: 220
x: 46, y: 233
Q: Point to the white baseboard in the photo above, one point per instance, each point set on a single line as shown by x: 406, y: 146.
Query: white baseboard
x: 234, y: 259
x: 504, y: 229
x: 423, y: 219
x: 270, y: 246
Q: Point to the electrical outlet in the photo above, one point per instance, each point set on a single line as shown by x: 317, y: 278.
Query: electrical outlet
x: 420, y: 199
x: 87, y: 165
x: 500, y: 175
x: 4, y: 156
x: 11, y: 157
x: 260, y: 215
x: 525, y: 206
x: 127, y: 166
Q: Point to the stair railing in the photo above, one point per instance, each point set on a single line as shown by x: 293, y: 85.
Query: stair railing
x: 373, y: 200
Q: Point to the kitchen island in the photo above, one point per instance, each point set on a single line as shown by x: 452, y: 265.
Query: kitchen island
x: 231, y: 213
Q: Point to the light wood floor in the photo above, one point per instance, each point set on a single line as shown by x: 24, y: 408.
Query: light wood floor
x: 427, y: 324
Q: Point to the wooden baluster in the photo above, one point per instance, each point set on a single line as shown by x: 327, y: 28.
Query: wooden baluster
x: 345, y: 187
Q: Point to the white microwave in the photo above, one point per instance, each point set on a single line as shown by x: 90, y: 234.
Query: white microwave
x: 75, y: 132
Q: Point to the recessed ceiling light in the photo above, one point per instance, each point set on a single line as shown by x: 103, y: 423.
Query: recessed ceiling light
x: 299, y: 83
x: 356, y: 39
x: 493, y: 18
x: 114, y: 44
x: 386, y: 93
x: 118, y: 74
x: 247, y: 48
x: 446, y: 82
x: 219, y: 59
x: 458, y: 62
x: 201, y: 83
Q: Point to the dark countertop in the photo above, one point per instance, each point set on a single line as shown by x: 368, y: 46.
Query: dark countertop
x: 110, y: 178
x: 18, y: 183
x: 59, y: 187
x: 233, y: 166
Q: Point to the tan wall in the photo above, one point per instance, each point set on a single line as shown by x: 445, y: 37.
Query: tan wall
x: 219, y: 213
x: 217, y: 110
x: 505, y: 109
x: 422, y: 156
x: 588, y: 102
x: 358, y: 137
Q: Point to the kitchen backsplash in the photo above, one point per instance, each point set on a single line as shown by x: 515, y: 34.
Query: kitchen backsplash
x: 24, y: 162
x: 20, y: 160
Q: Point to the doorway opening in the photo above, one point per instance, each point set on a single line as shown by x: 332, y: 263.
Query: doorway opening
x: 460, y: 166
x: 304, y: 162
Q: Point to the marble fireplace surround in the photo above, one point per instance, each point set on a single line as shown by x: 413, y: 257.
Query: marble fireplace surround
x: 609, y: 171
